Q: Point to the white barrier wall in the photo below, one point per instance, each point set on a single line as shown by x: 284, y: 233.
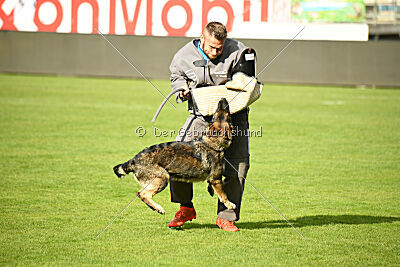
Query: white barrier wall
x: 252, y: 19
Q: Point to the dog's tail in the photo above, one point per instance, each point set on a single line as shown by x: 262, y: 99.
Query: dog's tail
x: 123, y: 169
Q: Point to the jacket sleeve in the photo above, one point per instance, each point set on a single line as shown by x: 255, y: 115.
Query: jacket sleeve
x: 178, y: 77
x: 238, y: 53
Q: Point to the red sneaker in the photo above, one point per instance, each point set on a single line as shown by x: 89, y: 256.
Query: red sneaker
x: 226, y: 225
x: 183, y: 215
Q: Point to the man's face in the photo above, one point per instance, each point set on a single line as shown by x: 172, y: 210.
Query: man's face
x: 212, y: 47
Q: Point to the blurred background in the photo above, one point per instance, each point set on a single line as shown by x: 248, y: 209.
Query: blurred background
x: 344, y: 42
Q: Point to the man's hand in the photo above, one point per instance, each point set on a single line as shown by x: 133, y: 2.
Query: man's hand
x: 185, y: 94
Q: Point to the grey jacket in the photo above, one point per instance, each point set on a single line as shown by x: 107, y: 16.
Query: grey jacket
x: 216, y: 72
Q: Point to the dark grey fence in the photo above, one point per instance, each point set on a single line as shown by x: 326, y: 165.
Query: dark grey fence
x: 373, y: 63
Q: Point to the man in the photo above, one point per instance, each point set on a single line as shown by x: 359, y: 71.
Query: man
x: 210, y: 61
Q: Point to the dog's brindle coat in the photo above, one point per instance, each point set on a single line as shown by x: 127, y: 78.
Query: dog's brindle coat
x: 194, y: 161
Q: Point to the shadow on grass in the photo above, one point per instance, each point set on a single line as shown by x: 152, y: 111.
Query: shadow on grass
x: 316, y: 220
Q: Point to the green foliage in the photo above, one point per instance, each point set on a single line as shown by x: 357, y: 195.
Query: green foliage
x: 328, y: 159
x: 328, y: 11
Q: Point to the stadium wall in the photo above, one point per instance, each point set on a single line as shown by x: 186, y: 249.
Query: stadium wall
x: 372, y: 63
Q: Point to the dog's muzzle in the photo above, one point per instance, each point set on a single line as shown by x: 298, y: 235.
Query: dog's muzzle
x: 223, y: 105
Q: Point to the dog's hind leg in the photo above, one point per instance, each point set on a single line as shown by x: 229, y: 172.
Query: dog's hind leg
x: 153, y: 180
x: 217, y: 186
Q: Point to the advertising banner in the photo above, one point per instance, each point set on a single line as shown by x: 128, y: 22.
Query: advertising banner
x: 253, y: 19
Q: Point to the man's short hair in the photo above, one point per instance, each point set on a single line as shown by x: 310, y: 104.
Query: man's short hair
x: 217, y: 30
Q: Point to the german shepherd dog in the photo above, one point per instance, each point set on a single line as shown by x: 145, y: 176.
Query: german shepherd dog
x: 194, y: 161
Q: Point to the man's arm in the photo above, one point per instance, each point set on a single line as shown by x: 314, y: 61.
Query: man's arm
x: 178, y: 79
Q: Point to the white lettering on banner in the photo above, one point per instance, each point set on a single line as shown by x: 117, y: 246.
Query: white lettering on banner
x: 256, y: 19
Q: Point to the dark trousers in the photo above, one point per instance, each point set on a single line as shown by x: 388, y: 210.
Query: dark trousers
x: 235, y: 171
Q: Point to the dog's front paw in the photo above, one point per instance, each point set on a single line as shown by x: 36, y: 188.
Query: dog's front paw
x: 160, y: 210
x: 230, y: 205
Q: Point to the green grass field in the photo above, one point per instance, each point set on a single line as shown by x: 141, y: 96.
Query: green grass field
x: 328, y: 159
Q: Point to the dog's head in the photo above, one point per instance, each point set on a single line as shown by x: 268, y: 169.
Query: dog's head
x: 219, y: 131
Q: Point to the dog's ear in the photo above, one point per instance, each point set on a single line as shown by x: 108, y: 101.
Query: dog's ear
x: 210, y: 189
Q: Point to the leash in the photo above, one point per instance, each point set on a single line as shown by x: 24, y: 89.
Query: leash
x: 165, y: 101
